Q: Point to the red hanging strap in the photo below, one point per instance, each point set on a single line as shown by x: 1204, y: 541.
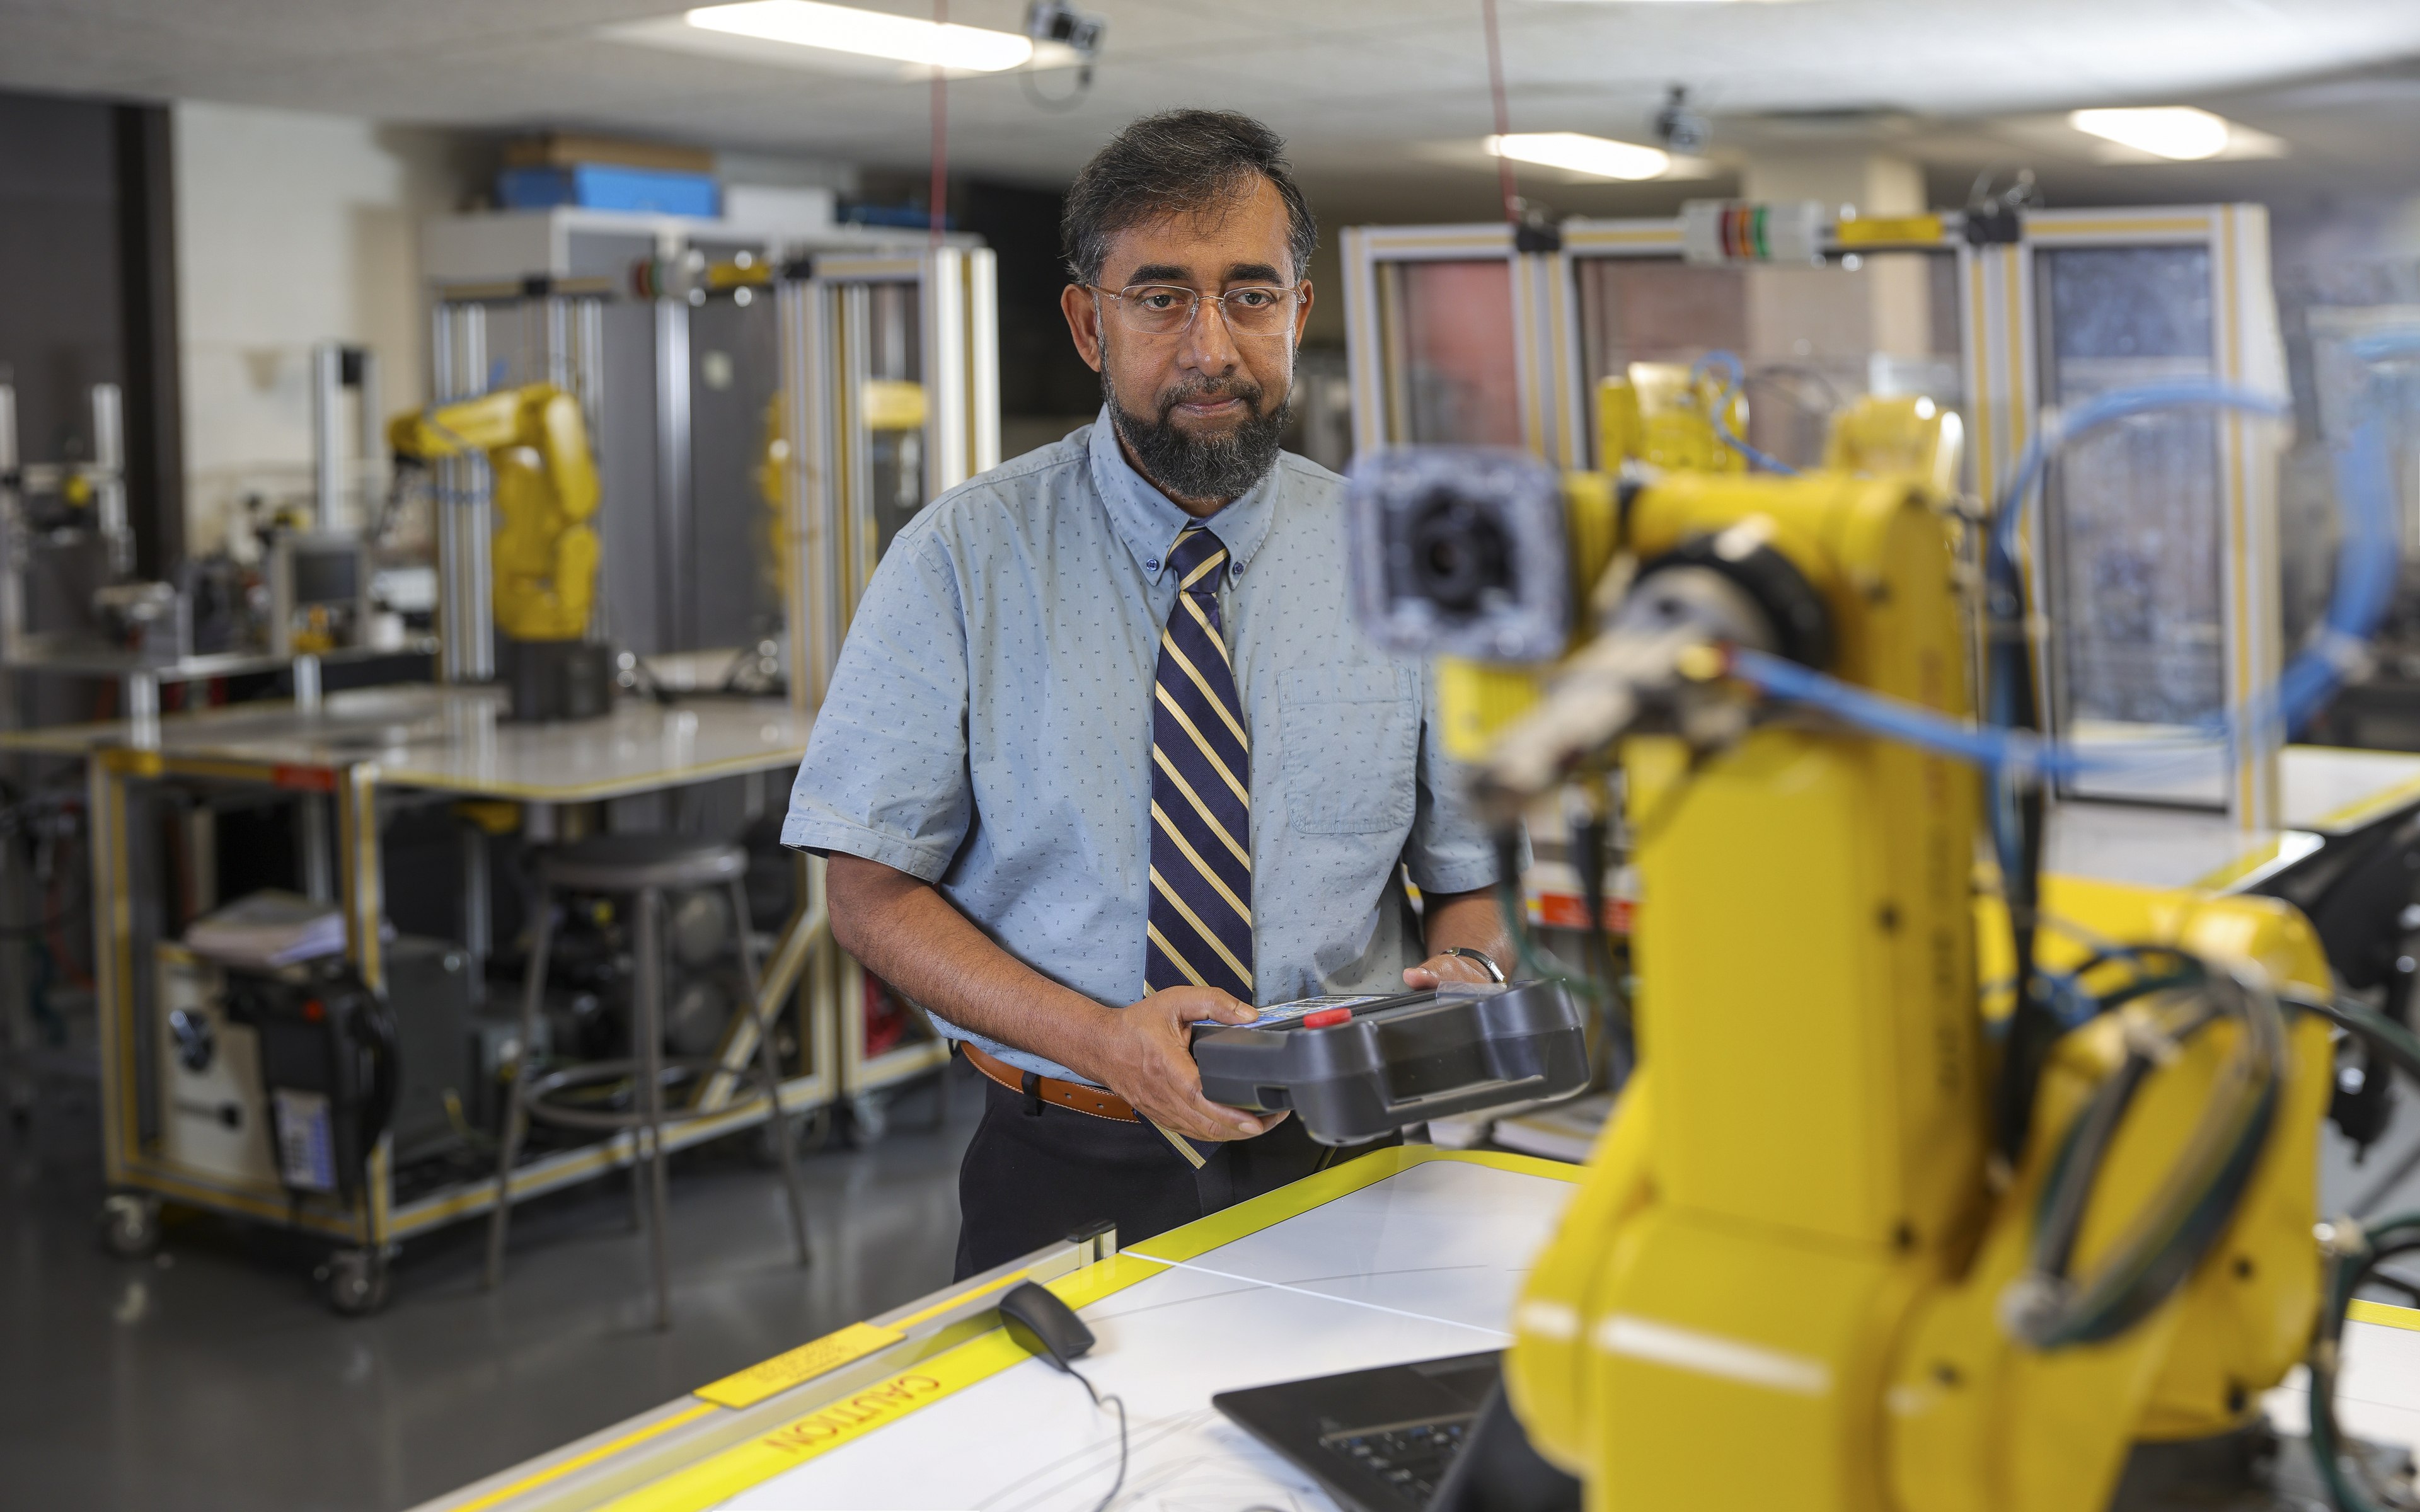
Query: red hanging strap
x: 940, y: 190
x: 1503, y: 116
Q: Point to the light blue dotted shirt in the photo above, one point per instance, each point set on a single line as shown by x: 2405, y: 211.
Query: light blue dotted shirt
x: 988, y: 728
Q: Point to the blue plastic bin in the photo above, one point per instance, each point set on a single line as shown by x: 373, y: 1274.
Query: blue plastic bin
x: 604, y: 186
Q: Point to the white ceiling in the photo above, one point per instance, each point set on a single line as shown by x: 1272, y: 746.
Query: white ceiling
x: 1378, y: 93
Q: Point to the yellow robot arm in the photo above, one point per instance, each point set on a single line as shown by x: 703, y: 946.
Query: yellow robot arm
x: 1794, y: 1235
x: 545, y: 490
x: 1789, y: 1237
x: 1906, y: 433
x: 1662, y: 414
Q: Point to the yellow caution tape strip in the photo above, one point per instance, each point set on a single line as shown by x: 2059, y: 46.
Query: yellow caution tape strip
x: 1873, y: 230
x: 603, y: 1451
x: 877, y: 1405
x: 2384, y: 1316
x: 808, y: 1361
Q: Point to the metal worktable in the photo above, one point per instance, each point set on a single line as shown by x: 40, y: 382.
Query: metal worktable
x: 350, y: 751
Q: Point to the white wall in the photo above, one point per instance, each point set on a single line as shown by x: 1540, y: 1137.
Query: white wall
x: 291, y: 229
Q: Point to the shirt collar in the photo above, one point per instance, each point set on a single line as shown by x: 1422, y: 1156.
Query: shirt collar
x: 1148, y: 523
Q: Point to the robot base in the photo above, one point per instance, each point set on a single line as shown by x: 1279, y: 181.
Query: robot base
x: 552, y: 680
x: 2252, y: 1469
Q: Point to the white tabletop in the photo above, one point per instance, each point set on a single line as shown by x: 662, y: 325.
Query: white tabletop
x: 1418, y: 1255
x: 2326, y: 791
x: 1423, y: 1264
x: 2330, y: 789
x: 456, y: 740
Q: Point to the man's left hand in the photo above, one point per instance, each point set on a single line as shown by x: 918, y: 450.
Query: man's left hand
x: 1439, y: 969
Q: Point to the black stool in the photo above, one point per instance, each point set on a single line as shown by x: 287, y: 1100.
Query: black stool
x: 642, y: 867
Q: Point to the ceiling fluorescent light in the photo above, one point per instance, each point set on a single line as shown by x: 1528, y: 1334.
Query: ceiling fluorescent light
x: 1598, y: 157
x: 867, y: 33
x: 2176, y: 131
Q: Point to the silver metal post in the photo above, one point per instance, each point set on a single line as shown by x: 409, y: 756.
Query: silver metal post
x: 860, y: 534
x: 108, y: 460
x: 478, y: 523
x: 466, y: 614
x: 588, y: 369
x: 947, y: 425
x: 558, y: 341
x: 318, y: 831
x: 370, y: 460
x: 797, y: 335
x: 648, y: 1029
x: 983, y: 359
x: 12, y: 544
x: 477, y: 940
x: 440, y: 387
x: 143, y: 709
x: 673, y: 616
x: 326, y: 454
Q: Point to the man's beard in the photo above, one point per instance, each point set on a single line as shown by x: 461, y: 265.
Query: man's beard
x: 1196, y: 467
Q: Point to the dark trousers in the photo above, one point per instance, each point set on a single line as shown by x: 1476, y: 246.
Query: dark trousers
x: 1032, y: 1179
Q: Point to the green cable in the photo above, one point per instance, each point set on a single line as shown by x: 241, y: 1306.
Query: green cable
x: 2346, y: 1484
x: 1535, y: 961
x: 2353, y: 1262
x: 2397, y: 1043
x: 2175, y: 1230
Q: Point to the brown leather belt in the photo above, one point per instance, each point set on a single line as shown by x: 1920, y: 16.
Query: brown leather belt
x: 1078, y: 1096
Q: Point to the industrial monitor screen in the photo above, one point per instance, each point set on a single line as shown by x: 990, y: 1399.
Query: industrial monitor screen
x: 327, y: 574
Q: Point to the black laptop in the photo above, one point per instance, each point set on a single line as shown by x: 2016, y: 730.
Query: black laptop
x: 1431, y: 1436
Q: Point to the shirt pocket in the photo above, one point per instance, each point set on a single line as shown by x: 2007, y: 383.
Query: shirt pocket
x: 1351, y: 746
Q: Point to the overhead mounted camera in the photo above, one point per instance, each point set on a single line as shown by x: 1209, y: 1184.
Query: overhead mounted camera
x: 1055, y: 20
x: 1057, y: 23
x: 1681, y: 130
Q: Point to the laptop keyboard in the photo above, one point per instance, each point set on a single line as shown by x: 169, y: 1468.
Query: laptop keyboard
x: 1412, y: 1458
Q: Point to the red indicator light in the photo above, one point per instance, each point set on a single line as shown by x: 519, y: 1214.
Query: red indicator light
x: 1325, y: 1017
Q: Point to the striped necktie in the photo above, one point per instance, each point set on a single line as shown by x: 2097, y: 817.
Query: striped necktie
x: 1200, y: 792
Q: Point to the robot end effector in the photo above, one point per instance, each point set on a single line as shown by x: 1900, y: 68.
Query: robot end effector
x: 1492, y: 560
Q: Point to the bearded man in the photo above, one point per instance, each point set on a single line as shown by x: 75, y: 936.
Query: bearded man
x: 1105, y: 755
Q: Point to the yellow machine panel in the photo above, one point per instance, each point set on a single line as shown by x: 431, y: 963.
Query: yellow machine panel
x: 1662, y: 414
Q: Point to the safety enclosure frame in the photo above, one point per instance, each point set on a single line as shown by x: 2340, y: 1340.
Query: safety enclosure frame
x: 2002, y: 331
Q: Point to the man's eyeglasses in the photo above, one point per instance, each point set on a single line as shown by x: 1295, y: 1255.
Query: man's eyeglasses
x: 1169, y: 309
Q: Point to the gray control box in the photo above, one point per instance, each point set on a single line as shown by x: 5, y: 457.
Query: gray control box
x: 1397, y: 1060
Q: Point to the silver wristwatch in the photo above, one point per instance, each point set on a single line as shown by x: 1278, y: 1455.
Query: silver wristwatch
x: 1486, y: 961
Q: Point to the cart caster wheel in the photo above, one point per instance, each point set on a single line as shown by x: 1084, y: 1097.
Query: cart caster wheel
x: 130, y: 1225
x: 354, y: 1282
x: 869, y: 1118
x: 809, y: 1133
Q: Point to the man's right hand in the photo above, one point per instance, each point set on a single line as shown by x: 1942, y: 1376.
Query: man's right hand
x: 1144, y: 1053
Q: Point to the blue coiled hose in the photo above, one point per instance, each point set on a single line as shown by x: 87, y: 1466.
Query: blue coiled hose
x: 1735, y: 379
x: 2365, y: 583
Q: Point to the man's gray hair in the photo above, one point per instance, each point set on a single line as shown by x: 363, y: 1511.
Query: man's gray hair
x: 1177, y: 162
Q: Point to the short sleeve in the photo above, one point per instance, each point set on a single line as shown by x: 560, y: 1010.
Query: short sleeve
x: 885, y: 775
x: 1450, y: 849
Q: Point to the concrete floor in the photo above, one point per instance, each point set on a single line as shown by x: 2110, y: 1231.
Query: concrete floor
x: 211, y: 1376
